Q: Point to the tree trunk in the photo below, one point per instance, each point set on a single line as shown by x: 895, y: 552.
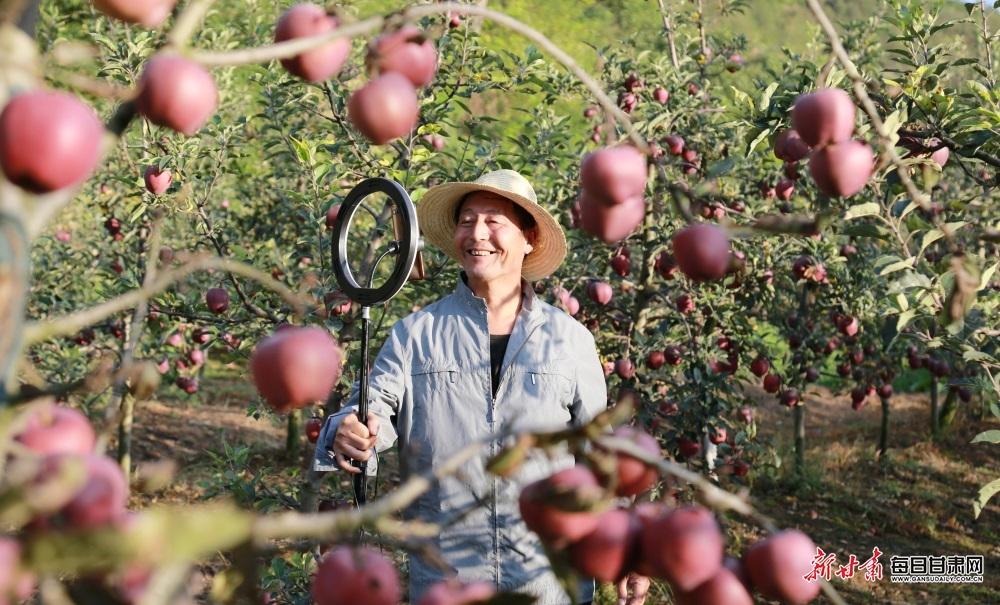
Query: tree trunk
x: 935, y: 427
x: 799, y: 413
x: 883, y: 438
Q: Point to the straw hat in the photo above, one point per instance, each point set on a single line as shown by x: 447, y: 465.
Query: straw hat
x: 436, y: 215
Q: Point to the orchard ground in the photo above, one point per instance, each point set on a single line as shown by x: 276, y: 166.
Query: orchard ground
x: 919, y: 504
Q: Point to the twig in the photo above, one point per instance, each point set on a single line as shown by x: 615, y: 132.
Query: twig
x: 37, y: 331
x: 187, y: 22
x: 669, y: 30
x: 986, y: 43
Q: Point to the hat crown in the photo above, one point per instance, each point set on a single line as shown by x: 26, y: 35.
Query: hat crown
x: 510, y: 181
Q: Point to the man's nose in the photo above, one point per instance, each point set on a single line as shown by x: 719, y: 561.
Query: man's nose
x: 480, y: 230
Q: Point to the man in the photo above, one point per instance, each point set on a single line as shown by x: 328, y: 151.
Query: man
x: 488, y: 356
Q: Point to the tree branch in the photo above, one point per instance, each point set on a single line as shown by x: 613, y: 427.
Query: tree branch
x: 37, y: 331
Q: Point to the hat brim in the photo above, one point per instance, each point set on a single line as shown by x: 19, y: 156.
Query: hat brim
x: 436, y: 216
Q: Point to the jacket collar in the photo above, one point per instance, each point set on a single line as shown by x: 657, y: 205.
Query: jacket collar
x: 467, y: 296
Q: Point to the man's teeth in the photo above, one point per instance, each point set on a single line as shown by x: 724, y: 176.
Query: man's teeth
x: 480, y: 252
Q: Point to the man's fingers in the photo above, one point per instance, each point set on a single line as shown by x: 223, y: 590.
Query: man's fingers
x: 354, y: 453
x: 345, y: 464
x: 355, y: 441
x: 372, y: 424
x: 351, y: 424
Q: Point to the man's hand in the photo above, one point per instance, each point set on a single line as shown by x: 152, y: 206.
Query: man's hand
x: 632, y: 589
x: 354, y: 441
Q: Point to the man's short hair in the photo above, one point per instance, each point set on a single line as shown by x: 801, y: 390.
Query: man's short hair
x: 524, y: 219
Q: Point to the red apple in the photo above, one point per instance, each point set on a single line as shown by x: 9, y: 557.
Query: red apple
x: 789, y: 397
x: 684, y: 303
x: 760, y: 366
x: 724, y: 588
x: 655, y: 360
x: 610, y: 223
x: 99, y: 501
x: 186, y: 383
x: 778, y: 564
x: 321, y: 63
x: 625, y: 368
x: 157, y: 181
x: 555, y: 525
x: 385, y: 108
x: 48, y: 140
x: 614, y: 175
x: 675, y: 144
x: 54, y: 429
x: 296, y: 367
x: 666, y: 265
x: 350, y: 575
x: 605, y: 553
x: 772, y: 382
x: 621, y: 265
x: 572, y: 305
x: 148, y: 13
x: 702, y: 251
x: 685, y: 547
x: 718, y: 435
x: 848, y: 325
x: 600, y: 292
x: 176, y: 93
x: 823, y: 117
x: 673, y: 355
x: 331, y: 215
x: 789, y: 146
x: 785, y: 189
x: 407, y: 51
x: 660, y: 95
x: 688, y: 447
x: 313, y: 428
x: 217, y: 300
x: 842, y: 169
x: 635, y: 476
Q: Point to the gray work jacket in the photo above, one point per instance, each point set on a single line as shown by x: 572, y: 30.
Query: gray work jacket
x: 433, y: 375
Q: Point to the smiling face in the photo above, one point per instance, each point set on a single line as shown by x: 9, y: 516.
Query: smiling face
x: 490, y: 239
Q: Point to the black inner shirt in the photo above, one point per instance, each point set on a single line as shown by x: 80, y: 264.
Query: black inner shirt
x: 498, y: 347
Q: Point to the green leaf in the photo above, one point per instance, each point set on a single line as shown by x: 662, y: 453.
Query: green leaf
x: 721, y: 167
x: 765, y: 98
x: 898, y: 266
x: 992, y: 436
x: 980, y: 89
x: 985, y: 493
x: 761, y: 136
x: 987, y: 276
x: 865, y: 230
x: 869, y: 209
x: 741, y: 97
x: 904, y: 318
x: 929, y: 238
